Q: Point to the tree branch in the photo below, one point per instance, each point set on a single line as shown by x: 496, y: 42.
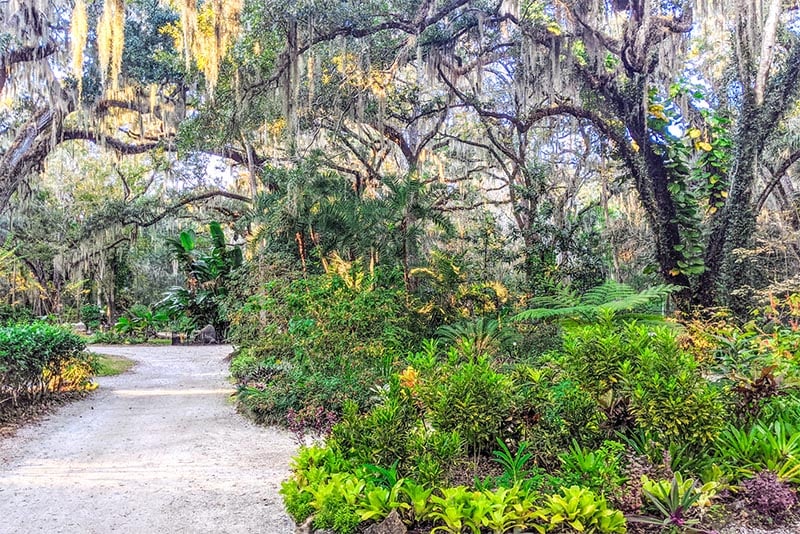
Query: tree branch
x: 776, y: 178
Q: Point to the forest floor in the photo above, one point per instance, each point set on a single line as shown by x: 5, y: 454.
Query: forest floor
x: 156, y: 449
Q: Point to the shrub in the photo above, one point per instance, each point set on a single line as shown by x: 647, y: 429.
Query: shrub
x: 671, y: 399
x: 39, y: 358
x: 13, y: 314
x: 474, y: 401
x: 645, y: 371
x: 599, y: 470
x: 91, y: 316
x: 316, y: 342
x: 378, y: 437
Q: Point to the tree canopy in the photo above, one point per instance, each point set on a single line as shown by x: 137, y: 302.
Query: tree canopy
x: 576, y: 141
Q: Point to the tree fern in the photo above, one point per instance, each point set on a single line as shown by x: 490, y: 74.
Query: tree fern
x: 609, y: 297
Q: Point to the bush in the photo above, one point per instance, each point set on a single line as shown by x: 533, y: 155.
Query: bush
x: 643, y: 371
x: 14, y: 314
x: 474, y: 401
x: 316, y: 342
x: 39, y: 358
x: 91, y: 315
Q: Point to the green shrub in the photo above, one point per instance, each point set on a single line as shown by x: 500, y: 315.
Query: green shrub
x: 474, y: 401
x: 552, y: 411
x: 599, y: 470
x: 431, y: 452
x: 643, y: 371
x: 39, y: 358
x: 91, y: 316
x: 316, y: 342
x: 670, y: 399
x: 378, y: 437
x: 15, y: 314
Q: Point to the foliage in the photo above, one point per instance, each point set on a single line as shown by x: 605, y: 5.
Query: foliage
x: 208, y: 275
x: 768, y: 496
x: 582, y: 511
x: 774, y: 447
x: 315, y: 342
x: 141, y: 323
x: 608, y: 297
x: 39, y: 359
x: 14, y: 314
x: 599, y: 471
x: 643, y: 370
x: 91, y: 316
x: 449, y: 294
x: 474, y: 401
x: 673, y: 499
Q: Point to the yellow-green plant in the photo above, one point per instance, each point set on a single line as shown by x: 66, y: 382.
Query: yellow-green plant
x: 581, y: 510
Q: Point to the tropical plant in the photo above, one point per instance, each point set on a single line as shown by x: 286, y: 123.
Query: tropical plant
x: 581, y: 510
x: 774, y: 447
x: 599, y: 471
x: 208, y: 276
x: 483, y: 336
x: 474, y: 401
x: 673, y: 499
x: 612, y: 297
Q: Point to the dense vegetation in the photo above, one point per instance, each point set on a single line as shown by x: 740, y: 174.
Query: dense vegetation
x: 601, y: 415
x: 499, y: 264
x: 37, y: 360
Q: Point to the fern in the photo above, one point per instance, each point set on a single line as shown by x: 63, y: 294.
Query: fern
x: 484, y: 336
x: 610, y: 297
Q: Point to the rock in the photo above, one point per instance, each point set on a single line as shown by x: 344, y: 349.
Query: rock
x: 391, y: 525
x: 305, y: 528
x: 325, y: 531
x: 207, y: 335
x: 80, y: 328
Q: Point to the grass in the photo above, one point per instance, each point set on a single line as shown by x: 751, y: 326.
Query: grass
x: 107, y: 365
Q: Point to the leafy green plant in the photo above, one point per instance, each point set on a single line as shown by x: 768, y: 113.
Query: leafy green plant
x: 418, y: 498
x: 141, y: 322
x: 774, y: 447
x: 473, y: 401
x: 581, y: 510
x: 208, y: 277
x: 431, y: 452
x: 508, y: 508
x: 606, y: 299
x: 483, y: 336
x: 38, y: 359
x: 91, y: 316
x: 514, y: 464
x: 599, y: 470
x: 379, y: 501
x: 455, y: 510
x: 641, y: 377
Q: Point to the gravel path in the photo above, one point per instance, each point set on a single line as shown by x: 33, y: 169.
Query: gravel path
x: 158, y: 449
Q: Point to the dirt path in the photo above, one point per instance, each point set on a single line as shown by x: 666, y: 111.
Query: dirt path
x: 158, y: 449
